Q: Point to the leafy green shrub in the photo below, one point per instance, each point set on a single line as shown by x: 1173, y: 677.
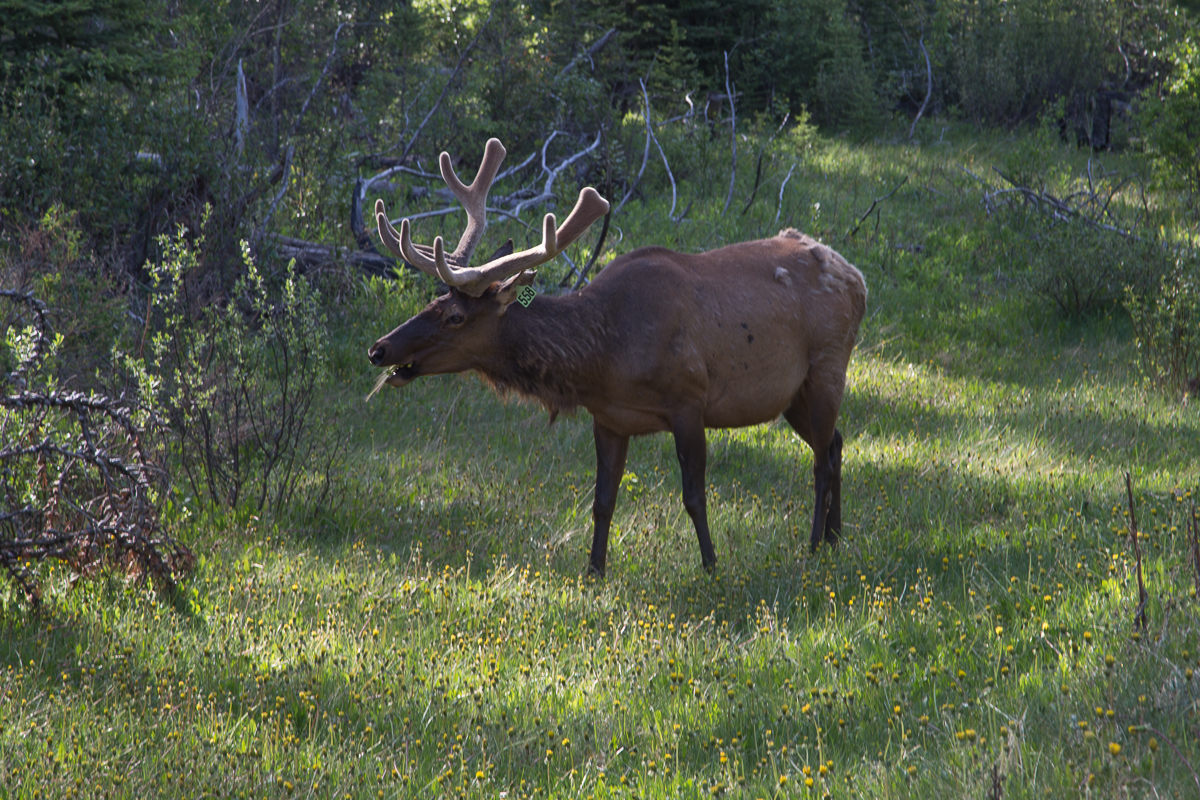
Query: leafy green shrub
x: 1174, y: 122
x: 1079, y: 267
x: 237, y: 383
x: 1166, y: 326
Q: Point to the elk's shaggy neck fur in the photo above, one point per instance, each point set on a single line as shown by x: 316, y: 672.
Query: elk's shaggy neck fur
x: 549, y: 352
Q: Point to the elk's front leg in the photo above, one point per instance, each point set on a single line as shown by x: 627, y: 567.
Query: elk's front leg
x: 693, y: 457
x: 611, y: 449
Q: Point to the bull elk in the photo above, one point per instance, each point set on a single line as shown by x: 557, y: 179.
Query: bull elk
x: 659, y: 341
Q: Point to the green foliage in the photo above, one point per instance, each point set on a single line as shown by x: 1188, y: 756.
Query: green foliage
x: 439, y: 616
x: 83, y: 39
x: 238, y: 385
x: 1080, y: 268
x: 1166, y: 325
x: 1174, y: 121
x: 79, y: 484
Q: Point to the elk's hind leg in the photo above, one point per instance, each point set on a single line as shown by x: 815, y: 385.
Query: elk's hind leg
x: 833, y: 520
x: 813, y: 414
x: 692, y: 451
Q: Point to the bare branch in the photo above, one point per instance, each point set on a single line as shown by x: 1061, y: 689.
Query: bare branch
x: 874, y: 203
x: 457, y: 68
x: 782, y: 186
x: 928, y: 88
x: 591, y: 52
x: 287, y: 171
x: 732, y: 135
x: 317, y: 85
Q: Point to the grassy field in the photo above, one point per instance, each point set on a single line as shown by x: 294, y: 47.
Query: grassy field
x: 436, y: 635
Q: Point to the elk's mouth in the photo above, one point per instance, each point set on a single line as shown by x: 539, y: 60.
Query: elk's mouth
x: 402, y: 374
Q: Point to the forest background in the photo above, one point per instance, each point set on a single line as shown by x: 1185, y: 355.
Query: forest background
x: 227, y: 576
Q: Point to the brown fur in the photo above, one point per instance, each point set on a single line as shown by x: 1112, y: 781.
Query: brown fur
x: 666, y: 341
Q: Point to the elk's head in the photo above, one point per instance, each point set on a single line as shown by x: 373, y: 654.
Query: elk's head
x: 455, y: 329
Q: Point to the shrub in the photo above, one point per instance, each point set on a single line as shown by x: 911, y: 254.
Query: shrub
x: 1081, y: 268
x: 1166, y: 326
x: 78, y: 479
x: 1174, y: 123
x: 237, y: 383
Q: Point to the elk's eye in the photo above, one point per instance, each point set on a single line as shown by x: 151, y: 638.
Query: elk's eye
x: 455, y: 319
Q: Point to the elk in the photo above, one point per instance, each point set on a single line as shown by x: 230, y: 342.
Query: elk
x: 659, y: 341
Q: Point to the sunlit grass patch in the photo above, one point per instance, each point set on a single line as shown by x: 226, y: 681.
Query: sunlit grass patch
x: 436, y: 634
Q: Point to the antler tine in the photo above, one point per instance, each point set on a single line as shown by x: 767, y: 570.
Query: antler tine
x: 400, y: 244
x: 588, y: 208
x: 473, y: 197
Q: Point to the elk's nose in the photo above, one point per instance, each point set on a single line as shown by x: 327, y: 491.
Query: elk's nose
x: 375, y: 354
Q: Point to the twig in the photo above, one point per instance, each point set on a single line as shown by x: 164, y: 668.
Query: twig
x: 638, y: 179
x: 457, y: 68
x: 1186, y: 763
x: 591, y: 52
x: 650, y: 133
x: 517, y: 168
x: 758, y: 168
x: 547, y: 189
x: 583, y: 273
x: 287, y: 172
x: 1139, y: 617
x: 317, y: 85
x: 782, y: 186
x: 874, y: 203
x: 1194, y: 527
x: 928, y: 88
x: 732, y: 136
x: 757, y: 178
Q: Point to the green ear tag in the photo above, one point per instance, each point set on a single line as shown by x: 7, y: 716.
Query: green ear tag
x: 525, y: 295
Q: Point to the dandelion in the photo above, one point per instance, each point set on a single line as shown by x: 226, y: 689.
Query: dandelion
x: 1114, y: 749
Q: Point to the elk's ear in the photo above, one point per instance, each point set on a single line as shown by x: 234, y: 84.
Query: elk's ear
x: 507, y: 291
x: 505, y: 249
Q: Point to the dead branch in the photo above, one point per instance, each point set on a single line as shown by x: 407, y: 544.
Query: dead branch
x: 1057, y: 208
x: 256, y: 237
x: 96, y: 500
x: 590, y: 53
x: 583, y: 273
x: 732, y: 136
x: 874, y: 203
x: 650, y: 133
x: 320, y: 79
x: 758, y: 169
x: 782, y: 186
x: 453, y: 75
x: 928, y: 88
x: 1194, y: 527
x: 1139, y: 617
x: 638, y: 179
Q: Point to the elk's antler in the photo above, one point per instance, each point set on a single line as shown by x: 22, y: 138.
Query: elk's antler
x: 453, y: 267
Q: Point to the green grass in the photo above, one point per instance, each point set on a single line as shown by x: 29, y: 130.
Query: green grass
x: 434, y: 634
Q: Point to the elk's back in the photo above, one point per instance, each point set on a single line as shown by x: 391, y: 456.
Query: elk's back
x: 738, y: 329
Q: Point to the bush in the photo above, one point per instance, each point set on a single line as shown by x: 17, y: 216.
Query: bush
x: 237, y: 383
x: 79, y: 482
x: 1174, y: 123
x: 1166, y: 326
x: 1081, y: 268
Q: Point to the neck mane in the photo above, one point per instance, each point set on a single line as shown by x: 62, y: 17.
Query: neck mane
x: 547, y: 352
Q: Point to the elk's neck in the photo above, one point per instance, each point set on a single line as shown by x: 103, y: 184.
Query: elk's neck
x: 547, y: 352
